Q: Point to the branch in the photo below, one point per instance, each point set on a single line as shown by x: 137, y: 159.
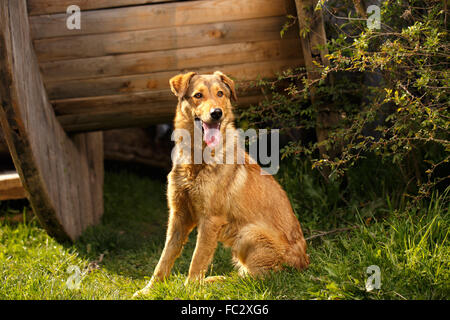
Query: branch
x: 324, y: 233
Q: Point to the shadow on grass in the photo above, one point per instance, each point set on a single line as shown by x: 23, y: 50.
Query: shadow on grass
x: 132, y: 231
x: 131, y: 236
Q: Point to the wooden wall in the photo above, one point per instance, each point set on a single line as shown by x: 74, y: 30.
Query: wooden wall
x: 114, y: 72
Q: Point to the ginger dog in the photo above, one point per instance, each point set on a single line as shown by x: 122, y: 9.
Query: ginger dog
x: 231, y: 203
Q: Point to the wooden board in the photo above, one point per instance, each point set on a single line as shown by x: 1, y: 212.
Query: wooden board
x: 315, y: 54
x: 157, y: 16
x: 178, y: 59
x: 79, y: 91
x: 140, y: 106
x: 63, y: 176
x: 114, y: 72
x: 37, y: 7
x: 133, y: 113
x: 11, y: 186
x: 147, y: 103
x: 243, y: 72
x: 173, y: 37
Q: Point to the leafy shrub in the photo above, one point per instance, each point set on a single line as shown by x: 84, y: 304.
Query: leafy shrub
x: 389, y: 86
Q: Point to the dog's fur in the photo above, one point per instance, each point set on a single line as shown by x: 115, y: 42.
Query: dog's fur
x: 231, y: 203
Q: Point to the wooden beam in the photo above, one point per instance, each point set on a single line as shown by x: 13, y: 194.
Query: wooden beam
x: 181, y: 13
x: 38, y: 7
x: 313, y: 37
x: 313, y: 42
x: 173, y: 37
x: 63, y: 177
x: 137, y: 106
x: 177, y: 59
x: 147, y: 103
x: 133, y: 115
x: 242, y: 72
x: 11, y: 186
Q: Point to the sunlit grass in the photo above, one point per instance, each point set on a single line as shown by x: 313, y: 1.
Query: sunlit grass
x: 117, y: 257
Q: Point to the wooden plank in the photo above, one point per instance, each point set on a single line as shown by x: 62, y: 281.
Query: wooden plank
x: 134, y: 115
x: 160, y: 80
x: 116, y: 103
x: 11, y: 186
x: 149, y: 102
x: 63, y: 177
x: 189, y: 58
x: 37, y: 7
x: 315, y: 54
x: 157, y: 16
x: 211, y: 34
x: 154, y: 106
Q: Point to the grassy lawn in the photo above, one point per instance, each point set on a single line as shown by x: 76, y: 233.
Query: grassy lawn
x: 117, y: 257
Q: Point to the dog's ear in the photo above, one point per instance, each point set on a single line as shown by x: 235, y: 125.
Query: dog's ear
x: 228, y: 82
x: 180, y: 83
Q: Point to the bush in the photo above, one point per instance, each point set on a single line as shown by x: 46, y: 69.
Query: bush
x: 389, y: 86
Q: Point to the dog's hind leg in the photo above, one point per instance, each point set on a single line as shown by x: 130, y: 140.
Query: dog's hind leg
x: 257, y: 251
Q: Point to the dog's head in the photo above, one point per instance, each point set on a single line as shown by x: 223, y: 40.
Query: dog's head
x: 205, y: 100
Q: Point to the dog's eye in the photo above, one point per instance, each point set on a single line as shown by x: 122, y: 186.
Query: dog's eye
x: 198, y: 95
x: 219, y: 94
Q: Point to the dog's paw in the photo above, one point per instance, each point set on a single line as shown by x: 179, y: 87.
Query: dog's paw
x: 212, y: 279
x: 202, y: 281
x: 142, y: 293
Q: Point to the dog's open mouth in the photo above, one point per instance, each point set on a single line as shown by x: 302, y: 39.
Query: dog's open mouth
x: 211, y: 133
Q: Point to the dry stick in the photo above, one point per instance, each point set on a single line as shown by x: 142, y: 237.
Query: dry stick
x: 445, y: 12
x: 324, y: 233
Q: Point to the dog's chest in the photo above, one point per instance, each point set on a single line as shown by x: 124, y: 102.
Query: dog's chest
x: 203, y: 185
x: 207, y: 187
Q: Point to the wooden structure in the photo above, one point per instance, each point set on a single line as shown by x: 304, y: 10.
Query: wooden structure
x: 315, y: 55
x: 59, y: 88
x: 11, y: 186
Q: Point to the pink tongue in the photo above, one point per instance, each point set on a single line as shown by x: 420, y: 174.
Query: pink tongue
x: 211, y: 134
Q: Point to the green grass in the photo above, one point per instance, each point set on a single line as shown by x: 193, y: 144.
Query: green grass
x: 117, y: 257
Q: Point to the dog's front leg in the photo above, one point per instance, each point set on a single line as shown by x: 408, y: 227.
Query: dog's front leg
x: 207, y: 238
x: 179, y: 227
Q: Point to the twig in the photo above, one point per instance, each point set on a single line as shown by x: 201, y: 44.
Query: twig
x: 400, y: 295
x: 324, y: 233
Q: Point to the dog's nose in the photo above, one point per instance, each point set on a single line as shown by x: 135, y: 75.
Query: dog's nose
x: 216, y: 113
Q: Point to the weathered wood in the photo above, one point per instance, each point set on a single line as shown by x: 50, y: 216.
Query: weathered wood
x: 114, y: 72
x: 3, y: 147
x: 37, y: 7
x: 11, y: 186
x: 148, y: 102
x: 160, y: 80
x: 174, y: 37
x: 147, y: 146
x: 148, y: 107
x: 313, y: 37
x: 63, y: 177
x: 157, y: 16
x: 189, y: 58
x: 313, y: 41
x: 115, y: 103
x: 122, y: 111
